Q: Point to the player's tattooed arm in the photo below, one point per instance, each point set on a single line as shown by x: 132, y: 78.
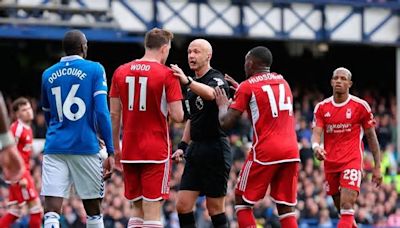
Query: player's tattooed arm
x: 373, y: 144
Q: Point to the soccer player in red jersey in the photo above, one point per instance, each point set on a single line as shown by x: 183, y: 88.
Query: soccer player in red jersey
x: 146, y: 92
x: 274, y: 157
x: 24, y: 190
x: 11, y: 161
x: 343, y: 119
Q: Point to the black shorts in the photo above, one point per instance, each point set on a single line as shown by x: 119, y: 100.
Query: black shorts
x: 207, y: 167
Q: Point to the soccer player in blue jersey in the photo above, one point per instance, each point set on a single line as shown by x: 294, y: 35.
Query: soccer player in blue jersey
x: 74, y: 98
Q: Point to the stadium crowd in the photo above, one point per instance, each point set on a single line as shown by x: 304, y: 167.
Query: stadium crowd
x: 379, y: 207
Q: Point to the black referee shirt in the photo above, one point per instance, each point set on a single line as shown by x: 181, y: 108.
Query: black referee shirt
x: 203, y: 114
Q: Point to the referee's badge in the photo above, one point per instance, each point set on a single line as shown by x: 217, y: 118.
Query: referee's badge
x: 199, y: 103
x: 219, y: 81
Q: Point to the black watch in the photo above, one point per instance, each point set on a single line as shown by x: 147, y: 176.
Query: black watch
x: 190, y: 80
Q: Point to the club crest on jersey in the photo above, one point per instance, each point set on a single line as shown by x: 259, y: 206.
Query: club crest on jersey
x: 199, y: 103
x: 348, y: 113
x: 329, y: 128
x: 219, y: 81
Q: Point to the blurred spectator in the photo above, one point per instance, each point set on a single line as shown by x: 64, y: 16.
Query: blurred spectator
x: 304, y: 131
x: 39, y: 126
x: 384, y: 131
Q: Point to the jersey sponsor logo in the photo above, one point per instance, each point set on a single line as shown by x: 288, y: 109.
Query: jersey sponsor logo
x: 328, y: 114
x: 219, y: 81
x: 348, y: 113
x: 199, y: 103
x: 338, y: 128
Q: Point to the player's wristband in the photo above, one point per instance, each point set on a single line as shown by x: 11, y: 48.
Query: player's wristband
x: 6, y: 139
x: 315, y: 145
x: 190, y: 80
x: 183, y: 146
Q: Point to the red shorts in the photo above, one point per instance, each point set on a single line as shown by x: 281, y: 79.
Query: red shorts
x: 19, y: 195
x: 254, y: 180
x: 348, y: 178
x: 147, y: 181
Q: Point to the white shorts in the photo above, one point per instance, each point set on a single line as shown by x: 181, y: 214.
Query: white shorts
x: 60, y: 171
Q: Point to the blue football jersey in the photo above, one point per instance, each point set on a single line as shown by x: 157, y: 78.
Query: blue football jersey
x: 69, y: 92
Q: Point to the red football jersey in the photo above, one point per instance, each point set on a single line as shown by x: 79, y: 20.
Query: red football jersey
x: 268, y: 100
x: 24, y: 137
x: 343, y: 126
x: 144, y: 89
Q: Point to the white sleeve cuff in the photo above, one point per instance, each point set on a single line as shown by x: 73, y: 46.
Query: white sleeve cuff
x: 99, y: 92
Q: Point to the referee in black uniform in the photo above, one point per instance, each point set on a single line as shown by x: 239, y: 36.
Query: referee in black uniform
x: 208, y: 158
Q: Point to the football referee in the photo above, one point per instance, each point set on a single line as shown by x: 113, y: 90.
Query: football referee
x: 208, y: 158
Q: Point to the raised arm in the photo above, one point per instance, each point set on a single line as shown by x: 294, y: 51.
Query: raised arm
x: 204, y: 91
x: 227, y: 117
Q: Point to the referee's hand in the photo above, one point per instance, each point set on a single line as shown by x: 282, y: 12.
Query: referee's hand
x: 178, y: 156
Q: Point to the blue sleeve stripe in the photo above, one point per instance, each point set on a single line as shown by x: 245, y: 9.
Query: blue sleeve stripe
x: 99, y: 92
x: 45, y: 109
